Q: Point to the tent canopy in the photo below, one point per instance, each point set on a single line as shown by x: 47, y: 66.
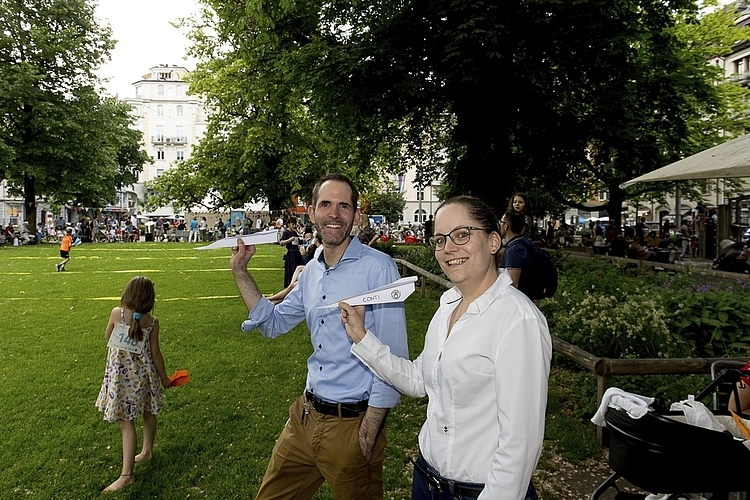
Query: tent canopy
x: 728, y: 160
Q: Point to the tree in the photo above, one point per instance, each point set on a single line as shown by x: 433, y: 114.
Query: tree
x: 60, y: 139
x: 263, y: 142
x: 666, y: 102
x: 490, y: 96
x: 388, y: 203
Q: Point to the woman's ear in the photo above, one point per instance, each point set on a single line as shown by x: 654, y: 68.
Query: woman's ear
x: 496, y: 242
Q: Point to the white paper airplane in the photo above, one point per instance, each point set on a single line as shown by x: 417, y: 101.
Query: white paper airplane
x: 270, y: 236
x: 397, y: 291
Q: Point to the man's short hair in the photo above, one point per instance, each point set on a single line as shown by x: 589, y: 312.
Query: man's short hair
x: 338, y: 177
x: 515, y: 220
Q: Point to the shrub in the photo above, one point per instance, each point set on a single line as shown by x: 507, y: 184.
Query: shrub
x: 609, y: 313
x: 627, y: 325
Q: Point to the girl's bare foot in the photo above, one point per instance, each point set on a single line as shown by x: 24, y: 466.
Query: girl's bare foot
x: 121, y: 482
x: 143, y: 457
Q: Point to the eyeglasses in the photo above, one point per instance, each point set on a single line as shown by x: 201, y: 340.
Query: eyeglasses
x: 459, y: 236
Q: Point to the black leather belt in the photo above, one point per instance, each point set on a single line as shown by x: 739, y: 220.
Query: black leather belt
x: 455, y: 487
x: 342, y: 410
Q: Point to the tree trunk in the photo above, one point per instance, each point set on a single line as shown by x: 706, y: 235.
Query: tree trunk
x: 614, y: 207
x: 29, y: 202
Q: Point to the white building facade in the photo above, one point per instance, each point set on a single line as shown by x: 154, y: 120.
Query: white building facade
x: 172, y: 121
x: 421, y: 202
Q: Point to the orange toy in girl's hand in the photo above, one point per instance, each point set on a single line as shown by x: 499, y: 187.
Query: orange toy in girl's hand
x: 180, y: 377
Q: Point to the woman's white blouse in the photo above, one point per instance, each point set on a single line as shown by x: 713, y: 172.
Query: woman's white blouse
x: 487, y: 388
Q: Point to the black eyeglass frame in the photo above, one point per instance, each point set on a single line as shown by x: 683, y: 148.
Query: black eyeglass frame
x: 435, y: 245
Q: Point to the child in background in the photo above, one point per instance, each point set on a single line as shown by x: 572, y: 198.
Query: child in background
x: 134, y: 374
x: 521, y: 203
x: 65, y: 245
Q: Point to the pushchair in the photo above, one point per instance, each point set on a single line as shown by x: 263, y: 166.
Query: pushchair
x: 661, y: 455
x: 731, y: 258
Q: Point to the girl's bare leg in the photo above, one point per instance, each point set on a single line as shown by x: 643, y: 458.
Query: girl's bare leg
x: 149, y: 432
x: 129, y: 444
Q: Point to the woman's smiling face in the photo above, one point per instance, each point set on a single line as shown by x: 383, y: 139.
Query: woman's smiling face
x: 469, y: 264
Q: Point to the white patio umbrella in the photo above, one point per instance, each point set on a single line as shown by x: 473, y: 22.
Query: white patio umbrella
x: 728, y: 160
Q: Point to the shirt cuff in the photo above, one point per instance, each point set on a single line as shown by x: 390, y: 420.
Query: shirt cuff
x: 262, y: 311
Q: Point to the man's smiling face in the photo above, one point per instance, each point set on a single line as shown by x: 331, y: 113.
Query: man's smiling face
x: 334, y: 214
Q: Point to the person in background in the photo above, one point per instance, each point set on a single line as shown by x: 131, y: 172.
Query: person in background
x: 429, y: 226
x: 521, y: 203
x: 194, y: 225
x: 203, y: 228
x: 485, y: 368
x: 293, y: 256
x: 335, y: 430
x: 519, y: 253
x: 65, y: 245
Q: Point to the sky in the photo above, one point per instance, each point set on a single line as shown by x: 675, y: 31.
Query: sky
x: 144, y: 39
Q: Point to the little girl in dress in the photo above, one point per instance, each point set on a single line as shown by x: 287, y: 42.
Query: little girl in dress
x: 134, y: 374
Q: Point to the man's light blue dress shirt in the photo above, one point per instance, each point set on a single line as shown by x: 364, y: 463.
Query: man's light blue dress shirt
x: 333, y: 373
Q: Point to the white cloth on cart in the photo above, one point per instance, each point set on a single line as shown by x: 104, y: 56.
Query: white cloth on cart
x: 636, y: 406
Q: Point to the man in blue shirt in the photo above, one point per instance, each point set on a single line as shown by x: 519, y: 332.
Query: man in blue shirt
x: 334, y: 432
x: 193, y: 237
x: 519, y: 253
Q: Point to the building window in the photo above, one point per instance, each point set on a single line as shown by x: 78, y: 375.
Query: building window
x: 159, y: 172
x: 179, y: 91
x: 160, y: 154
x: 180, y: 133
x: 420, y: 193
x: 160, y: 133
x: 160, y: 90
x: 179, y: 112
x: 160, y: 110
x: 602, y: 195
x: 180, y: 154
x: 420, y: 216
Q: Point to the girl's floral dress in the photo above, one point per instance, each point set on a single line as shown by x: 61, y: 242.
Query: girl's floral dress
x: 131, y: 384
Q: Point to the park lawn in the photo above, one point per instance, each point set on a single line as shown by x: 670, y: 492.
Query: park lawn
x: 214, y: 435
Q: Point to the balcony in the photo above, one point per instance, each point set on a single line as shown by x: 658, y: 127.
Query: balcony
x: 162, y: 139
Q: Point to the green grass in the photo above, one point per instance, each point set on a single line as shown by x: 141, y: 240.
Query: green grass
x: 214, y: 435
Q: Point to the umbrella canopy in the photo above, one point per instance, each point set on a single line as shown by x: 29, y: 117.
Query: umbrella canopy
x: 728, y: 160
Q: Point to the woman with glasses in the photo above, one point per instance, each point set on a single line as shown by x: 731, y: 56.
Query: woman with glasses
x: 484, y: 367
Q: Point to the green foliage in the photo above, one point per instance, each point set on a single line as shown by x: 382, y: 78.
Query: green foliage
x: 420, y: 255
x: 388, y: 203
x: 619, y: 326
x: 712, y: 319
x: 58, y: 138
x: 609, y: 313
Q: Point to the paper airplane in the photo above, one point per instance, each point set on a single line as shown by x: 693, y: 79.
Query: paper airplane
x: 397, y: 291
x: 270, y: 236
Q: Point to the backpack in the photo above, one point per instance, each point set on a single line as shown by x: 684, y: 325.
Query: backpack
x: 543, y: 273
x: 546, y: 272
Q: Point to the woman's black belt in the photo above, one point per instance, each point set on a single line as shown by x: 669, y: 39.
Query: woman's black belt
x: 342, y: 410
x: 455, y: 487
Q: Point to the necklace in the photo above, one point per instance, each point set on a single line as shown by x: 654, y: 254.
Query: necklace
x: 457, y: 313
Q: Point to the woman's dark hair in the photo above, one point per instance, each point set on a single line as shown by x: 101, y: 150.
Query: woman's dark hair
x: 477, y: 209
x: 526, y: 200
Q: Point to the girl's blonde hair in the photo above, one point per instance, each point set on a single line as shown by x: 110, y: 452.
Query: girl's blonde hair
x: 139, y: 297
